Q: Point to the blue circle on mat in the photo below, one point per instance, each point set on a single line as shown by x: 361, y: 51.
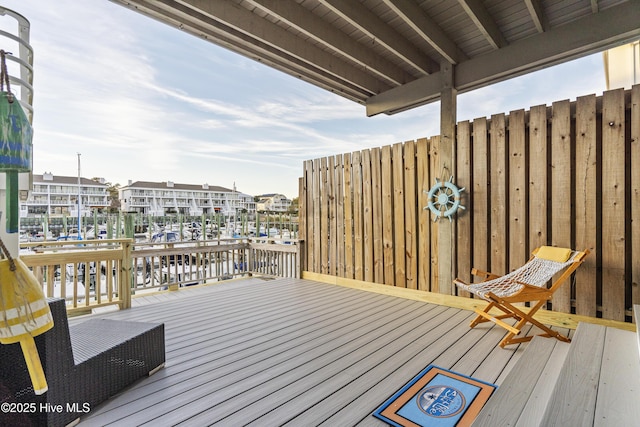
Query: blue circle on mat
x: 440, y: 401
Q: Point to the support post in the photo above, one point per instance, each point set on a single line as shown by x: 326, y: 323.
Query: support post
x: 126, y: 275
x: 446, y: 154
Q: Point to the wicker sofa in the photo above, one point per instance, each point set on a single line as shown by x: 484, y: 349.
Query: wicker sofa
x: 85, y: 364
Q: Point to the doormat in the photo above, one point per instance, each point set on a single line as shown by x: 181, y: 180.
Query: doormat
x: 436, y: 397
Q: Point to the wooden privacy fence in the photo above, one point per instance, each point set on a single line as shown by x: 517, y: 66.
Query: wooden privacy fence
x: 564, y: 175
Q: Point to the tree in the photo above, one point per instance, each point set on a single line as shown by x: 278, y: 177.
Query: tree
x: 112, y: 189
x: 294, y: 207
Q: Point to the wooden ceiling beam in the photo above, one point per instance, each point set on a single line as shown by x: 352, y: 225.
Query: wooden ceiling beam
x: 427, y: 28
x: 322, y: 32
x: 242, y: 44
x: 484, y: 22
x: 367, y: 22
x: 537, y: 16
x: 238, y: 20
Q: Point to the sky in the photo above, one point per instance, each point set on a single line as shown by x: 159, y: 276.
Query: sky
x: 142, y: 101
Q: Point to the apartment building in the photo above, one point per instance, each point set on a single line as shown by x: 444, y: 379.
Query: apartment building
x: 58, y: 195
x: 161, y: 198
x: 273, y: 203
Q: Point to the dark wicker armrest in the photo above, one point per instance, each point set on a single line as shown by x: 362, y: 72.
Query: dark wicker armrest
x: 112, y: 354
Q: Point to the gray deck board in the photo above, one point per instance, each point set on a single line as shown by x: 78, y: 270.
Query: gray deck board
x: 573, y: 399
x: 247, y: 365
x: 495, y: 360
x: 296, y: 360
x: 353, y: 381
x: 618, y: 401
x: 294, y: 352
x: 534, y: 330
x: 366, y: 392
x: 508, y: 401
x: 323, y: 374
x: 532, y: 413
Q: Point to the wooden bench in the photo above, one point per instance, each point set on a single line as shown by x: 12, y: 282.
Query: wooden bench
x: 84, y: 364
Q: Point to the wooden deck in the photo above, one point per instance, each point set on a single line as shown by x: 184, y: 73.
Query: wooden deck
x: 294, y: 352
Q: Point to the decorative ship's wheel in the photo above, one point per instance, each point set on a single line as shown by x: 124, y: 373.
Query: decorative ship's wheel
x: 444, y: 199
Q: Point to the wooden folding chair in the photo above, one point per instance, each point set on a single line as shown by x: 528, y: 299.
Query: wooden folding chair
x: 525, y: 284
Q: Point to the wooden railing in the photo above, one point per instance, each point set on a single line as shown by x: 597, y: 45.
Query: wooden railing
x: 95, y: 273
x: 87, y: 274
x: 269, y: 258
x: 169, y: 266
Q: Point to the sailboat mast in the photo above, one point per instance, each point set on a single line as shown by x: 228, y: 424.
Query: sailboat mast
x: 79, y: 202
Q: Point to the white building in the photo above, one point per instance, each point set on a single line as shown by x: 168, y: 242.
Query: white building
x: 58, y: 195
x: 160, y: 198
x: 622, y: 66
x: 273, y: 203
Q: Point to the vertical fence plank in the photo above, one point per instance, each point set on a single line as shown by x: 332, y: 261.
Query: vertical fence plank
x: 434, y: 173
x: 316, y: 215
x: 538, y: 167
x: 613, y: 205
x: 348, y: 218
x: 635, y: 194
x: 424, y: 225
x: 586, y: 204
x: 398, y: 214
x: 331, y: 196
x: 339, y: 216
x: 358, y: 226
x: 561, y: 190
x: 499, y: 201
x: 303, y: 208
x: 377, y: 218
x: 387, y: 215
x: 410, y: 215
x: 480, y: 195
x: 302, y: 214
x: 518, y: 227
x: 463, y: 218
x: 308, y: 179
x: 367, y: 216
x: 324, y: 217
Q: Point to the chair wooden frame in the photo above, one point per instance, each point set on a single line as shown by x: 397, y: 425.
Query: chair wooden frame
x: 528, y: 293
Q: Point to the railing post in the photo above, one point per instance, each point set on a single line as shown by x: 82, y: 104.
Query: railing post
x: 173, y: 286
x: 298, y: 260
x: 249, y: 256
x: 38, y: 271
x: 126, y: 272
